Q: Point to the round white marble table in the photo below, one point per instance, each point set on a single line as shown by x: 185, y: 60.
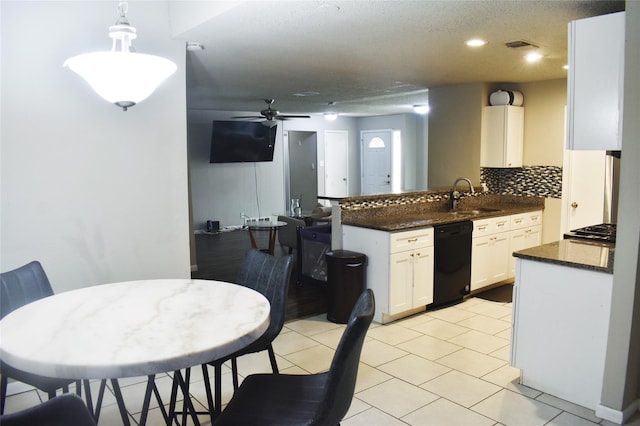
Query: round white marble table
x: 135, y: 328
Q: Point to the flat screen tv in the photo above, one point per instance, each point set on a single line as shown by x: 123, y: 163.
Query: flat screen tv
x: 238, y: 141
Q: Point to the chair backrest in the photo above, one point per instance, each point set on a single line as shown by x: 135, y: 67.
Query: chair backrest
x: 23, y: 285
x: 287, y: 235
x: 66, y: 409
x: 341, y: 380
x: 270, y: 276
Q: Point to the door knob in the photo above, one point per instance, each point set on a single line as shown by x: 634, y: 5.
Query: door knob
x: 574, y: 205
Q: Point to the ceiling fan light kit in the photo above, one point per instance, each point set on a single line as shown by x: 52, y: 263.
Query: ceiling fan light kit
x: 120, y: 76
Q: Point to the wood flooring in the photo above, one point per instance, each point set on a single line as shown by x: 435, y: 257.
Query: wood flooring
x: 219, y: 256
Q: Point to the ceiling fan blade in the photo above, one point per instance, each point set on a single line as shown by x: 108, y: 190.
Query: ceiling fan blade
x: 286, y: 116
x: 252, y: 117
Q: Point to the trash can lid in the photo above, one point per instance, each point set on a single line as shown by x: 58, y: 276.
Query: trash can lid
x: 346, y: 254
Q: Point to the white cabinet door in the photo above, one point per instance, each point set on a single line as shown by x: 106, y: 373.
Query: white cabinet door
x: 401, y: 282
x: 423, y: 277
x: 595, y: 82
x: 500, y: 257
x: 502, y: 136
x: 522, y: 239
x: 480, y: 262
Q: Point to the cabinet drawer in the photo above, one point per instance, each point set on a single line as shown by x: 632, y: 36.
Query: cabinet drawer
x: 491, y: 226
x: 523, y: 220
x: 401, y: 241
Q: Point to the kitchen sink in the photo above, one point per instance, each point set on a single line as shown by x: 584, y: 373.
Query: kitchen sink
x: 472, y: 212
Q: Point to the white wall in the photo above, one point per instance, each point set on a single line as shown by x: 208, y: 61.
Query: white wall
x: 223, y: 191
x: 96, y: 194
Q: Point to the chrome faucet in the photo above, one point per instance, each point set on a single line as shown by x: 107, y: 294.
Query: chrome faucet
x: 455, y: 195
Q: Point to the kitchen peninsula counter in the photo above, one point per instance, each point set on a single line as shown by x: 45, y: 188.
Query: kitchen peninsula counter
x: 561, y: 309
x: 588, y: 255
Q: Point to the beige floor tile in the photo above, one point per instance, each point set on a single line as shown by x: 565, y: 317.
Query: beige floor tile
x: 329, y: 338
x: 490, y: 309
x: 503, y: 376
x: 20, y: 401
x: 110, y: 416
x: 451, y: 314
x: 392, y: 334
x: 445, y: 413
x: 441, y: 329
x: 569, y: 407
x: 414, y: 369
x: 313, y: 325
x: 485, y: 324
x: 504, y: 334
x: 470, y: 301
x: 479, y: 341
x: 369, y: 376
x: 313, y: 360
x: 357, y: 406
x: 414, y: 320
x: 504, y: 353
x: 429, y: 347
x: 461, y: 388
x: 287, y: 343
x: 133, y: 395
x: 510, y: 408
x: 396, y: 397
x: 471, y: 362
x: 568, y: 419
x: 375, y: 353
x: 371, y: 417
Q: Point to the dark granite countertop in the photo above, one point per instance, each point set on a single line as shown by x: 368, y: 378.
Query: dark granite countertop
x: 589, y: 255
x: 406, y: 221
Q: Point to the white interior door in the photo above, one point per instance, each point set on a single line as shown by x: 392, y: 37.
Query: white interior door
x: 376, y: 148
x: 583, y: 189
x: 336, y: 170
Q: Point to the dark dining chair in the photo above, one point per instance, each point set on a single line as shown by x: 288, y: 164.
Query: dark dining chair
x: 288, y: 235
x: 18, y: 287
x: 313, y: 399
x: 270, y: 276
x: 63, y: 410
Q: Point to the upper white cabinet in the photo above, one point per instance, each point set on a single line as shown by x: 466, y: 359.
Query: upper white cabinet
x: 502, y: 136
x: 595, y: 82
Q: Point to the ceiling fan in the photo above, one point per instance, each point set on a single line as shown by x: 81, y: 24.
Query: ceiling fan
x: 270, y: 115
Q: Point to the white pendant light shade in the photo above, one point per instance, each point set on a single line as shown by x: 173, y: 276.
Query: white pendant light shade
x: 122, y: 78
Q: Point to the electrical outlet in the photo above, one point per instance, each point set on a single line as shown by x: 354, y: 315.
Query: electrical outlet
x: 264, y: 219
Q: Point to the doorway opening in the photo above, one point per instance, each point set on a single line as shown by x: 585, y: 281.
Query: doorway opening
x: 302, y: 182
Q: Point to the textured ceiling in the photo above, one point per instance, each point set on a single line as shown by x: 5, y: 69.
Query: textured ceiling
x: 369, y: 57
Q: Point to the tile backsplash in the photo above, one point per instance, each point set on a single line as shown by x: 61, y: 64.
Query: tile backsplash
x: 541, y: 181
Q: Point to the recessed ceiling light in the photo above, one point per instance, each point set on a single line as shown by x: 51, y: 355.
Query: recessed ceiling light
x: 475, y: 42
x: 330, y: 116
x: 533, y: 57
x: 566, y: 67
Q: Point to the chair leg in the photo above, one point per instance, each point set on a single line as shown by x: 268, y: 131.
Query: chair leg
x: 218, y: 389
x: 207, y: 388
x: 272, y: 358
x: 4, y: 381
x: 234, y: 373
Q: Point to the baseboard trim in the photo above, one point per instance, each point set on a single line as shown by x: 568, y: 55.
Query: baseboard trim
x: 617, y: 416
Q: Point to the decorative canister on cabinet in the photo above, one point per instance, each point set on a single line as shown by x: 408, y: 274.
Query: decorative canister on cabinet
x: 506, y: 97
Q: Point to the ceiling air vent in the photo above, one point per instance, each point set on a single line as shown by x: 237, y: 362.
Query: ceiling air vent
x: 519, y: 43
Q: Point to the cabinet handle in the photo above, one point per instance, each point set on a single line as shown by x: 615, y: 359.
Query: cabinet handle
x: 412, y: 240
x: 518, y: 221
x: 482, y: 228
x: 574, y: 205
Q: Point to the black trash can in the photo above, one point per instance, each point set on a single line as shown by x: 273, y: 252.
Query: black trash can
x: 345, y: 282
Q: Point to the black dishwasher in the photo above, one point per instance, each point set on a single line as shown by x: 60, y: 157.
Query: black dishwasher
x: 452, y: 262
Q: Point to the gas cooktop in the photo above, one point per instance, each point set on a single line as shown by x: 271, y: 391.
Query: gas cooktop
x: 602, y: 232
